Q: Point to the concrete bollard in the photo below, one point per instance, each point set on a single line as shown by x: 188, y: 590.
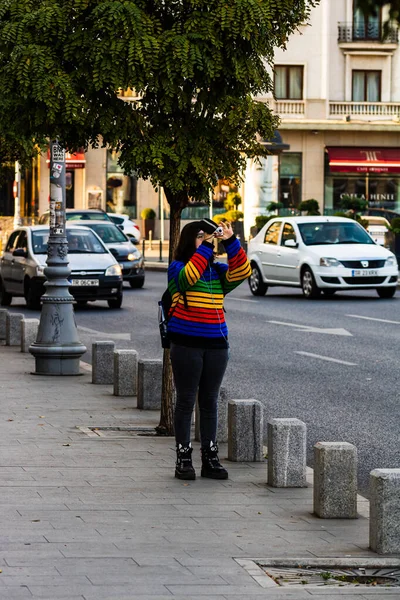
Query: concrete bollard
x: 335, y: 480
x: 222, y: 428
x: 29, y: 331
x: 149, y: 384
x: 3, y: 324
x: 125, y: 372
x: 13, y: 329
x: 103, y: 362
x: 384, y: 519
x: 287, y: 453
x: 245, y: 430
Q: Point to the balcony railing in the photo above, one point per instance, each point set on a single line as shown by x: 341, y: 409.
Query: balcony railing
x: 377, y: 110
x: 288, y: 107
x: 370, y: 31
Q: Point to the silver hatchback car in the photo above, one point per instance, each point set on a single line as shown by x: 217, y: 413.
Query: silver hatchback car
x: 95, y: 273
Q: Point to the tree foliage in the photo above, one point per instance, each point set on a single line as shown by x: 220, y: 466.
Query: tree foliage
x: 196, y: 66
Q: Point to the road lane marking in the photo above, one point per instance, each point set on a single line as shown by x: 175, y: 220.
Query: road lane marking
x: 114, y: 336
x: 328, y: 358
x: 374, y: 319
x: 312, y: 329
x: 241, y: 299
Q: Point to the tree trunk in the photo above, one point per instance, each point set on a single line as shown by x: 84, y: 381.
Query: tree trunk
x: 177, y: 203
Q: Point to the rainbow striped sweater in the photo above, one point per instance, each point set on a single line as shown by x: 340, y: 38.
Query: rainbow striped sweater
x: 201, y: 323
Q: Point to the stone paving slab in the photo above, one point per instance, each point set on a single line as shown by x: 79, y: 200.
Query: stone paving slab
x: 87, y: 517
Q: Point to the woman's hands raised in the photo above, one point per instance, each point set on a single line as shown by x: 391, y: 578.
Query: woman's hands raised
x: 227, y: 231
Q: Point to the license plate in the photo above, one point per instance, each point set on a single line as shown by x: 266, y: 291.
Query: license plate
x: 88, y: 282
x: 364, y: 273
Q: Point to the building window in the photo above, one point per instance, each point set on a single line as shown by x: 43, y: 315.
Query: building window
x: 366, y: 86
x: 290, y: 179
x: 288, y: 82
x: 121, y: 189
x: 366, y: 27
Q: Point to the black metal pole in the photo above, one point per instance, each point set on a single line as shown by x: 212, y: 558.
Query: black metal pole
x: 161, y: 258
x: 57, y: 349
x: 143, y: 247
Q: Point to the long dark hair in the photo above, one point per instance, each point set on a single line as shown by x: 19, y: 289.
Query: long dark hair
x: 187, y: 242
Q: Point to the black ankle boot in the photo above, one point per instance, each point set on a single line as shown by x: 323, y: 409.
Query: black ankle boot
x: 210, y: 465
x: 184, y: 468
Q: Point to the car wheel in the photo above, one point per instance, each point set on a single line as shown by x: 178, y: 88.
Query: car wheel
x: 136, y: 283
x: 115, y: 302
x: 5, y: 297
x: 329, y: 293
x: 386, y: 292
x: 256, y: 283
x: 32, y: 301
x: 310, y: 288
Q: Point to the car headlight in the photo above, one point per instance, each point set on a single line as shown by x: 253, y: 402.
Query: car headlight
x: 329, y: 262
x: 391, y: 261
x: 131, y: 256
x: 40, y: 271
x: 113, y: 271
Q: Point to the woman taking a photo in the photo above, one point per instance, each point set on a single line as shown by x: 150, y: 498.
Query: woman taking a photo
x: 199, y: 337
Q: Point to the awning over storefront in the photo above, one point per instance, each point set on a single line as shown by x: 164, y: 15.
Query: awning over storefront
x: 73, y: 161
x: 363, y: 160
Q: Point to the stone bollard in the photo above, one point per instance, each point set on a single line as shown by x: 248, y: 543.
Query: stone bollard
x: 29, y: 331
x: 149, y: 384
x: 335, y: 480
x: 245, y: 430
x: 287, y: 453
x: 13, y: 329
x: 3, y: 324
x: 103, y: 362
x: 384, y: 519
x: 222, y: 428
x: 125, y: 372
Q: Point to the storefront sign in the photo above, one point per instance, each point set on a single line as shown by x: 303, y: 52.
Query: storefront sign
x: 364, y: 160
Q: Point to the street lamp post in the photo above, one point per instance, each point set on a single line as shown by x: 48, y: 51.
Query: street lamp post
x: 57, y: 349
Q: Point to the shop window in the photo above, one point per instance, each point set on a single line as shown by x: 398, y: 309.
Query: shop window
x: 290, y: 179
x: 288, y: 82
x: 121, y: 188
x: 366, y: 27
x: 366, y: 86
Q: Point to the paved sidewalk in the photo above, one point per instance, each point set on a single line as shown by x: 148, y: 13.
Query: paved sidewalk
x: 95, y: 517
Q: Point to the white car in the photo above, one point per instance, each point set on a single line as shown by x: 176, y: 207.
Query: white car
x: 327, y: 254
x: 129, y: 227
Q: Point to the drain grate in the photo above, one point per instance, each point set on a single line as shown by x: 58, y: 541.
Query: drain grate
x: 119, y: 432
x: 332, y: 577
x: 323, y: 572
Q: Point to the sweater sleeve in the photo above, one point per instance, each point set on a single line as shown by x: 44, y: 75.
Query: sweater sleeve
x: 238, y: 264
x: 184, y: 276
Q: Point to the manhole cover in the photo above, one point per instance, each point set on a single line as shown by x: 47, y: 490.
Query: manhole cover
x: 120, y: 431
x: 328, y: 576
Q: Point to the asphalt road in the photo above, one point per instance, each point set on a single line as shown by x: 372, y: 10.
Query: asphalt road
x: 332, y: 363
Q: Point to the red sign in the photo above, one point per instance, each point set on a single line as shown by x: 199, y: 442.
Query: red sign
x: 73, y: 161
x: 364, y: 160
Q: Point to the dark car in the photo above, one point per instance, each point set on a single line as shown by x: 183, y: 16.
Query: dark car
x: 382, y: 212
x: 120, y: 246
x: 75, y: 214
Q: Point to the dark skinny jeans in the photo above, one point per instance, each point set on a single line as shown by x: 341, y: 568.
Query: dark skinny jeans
x: 202, y: 370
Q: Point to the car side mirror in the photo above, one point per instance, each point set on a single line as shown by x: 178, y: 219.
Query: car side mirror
x: 290, y: 243
x: 20, y: 252
x: 114, y: 251
x: 134, y: 241
x: 120, y: 226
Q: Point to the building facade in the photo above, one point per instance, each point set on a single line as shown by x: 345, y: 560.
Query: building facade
x: 337, y: 92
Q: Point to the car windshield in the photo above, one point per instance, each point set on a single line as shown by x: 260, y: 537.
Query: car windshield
x: 87, y: 216
x: 79, y: 242
x: 110, y: 234
x: 339, y: 232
